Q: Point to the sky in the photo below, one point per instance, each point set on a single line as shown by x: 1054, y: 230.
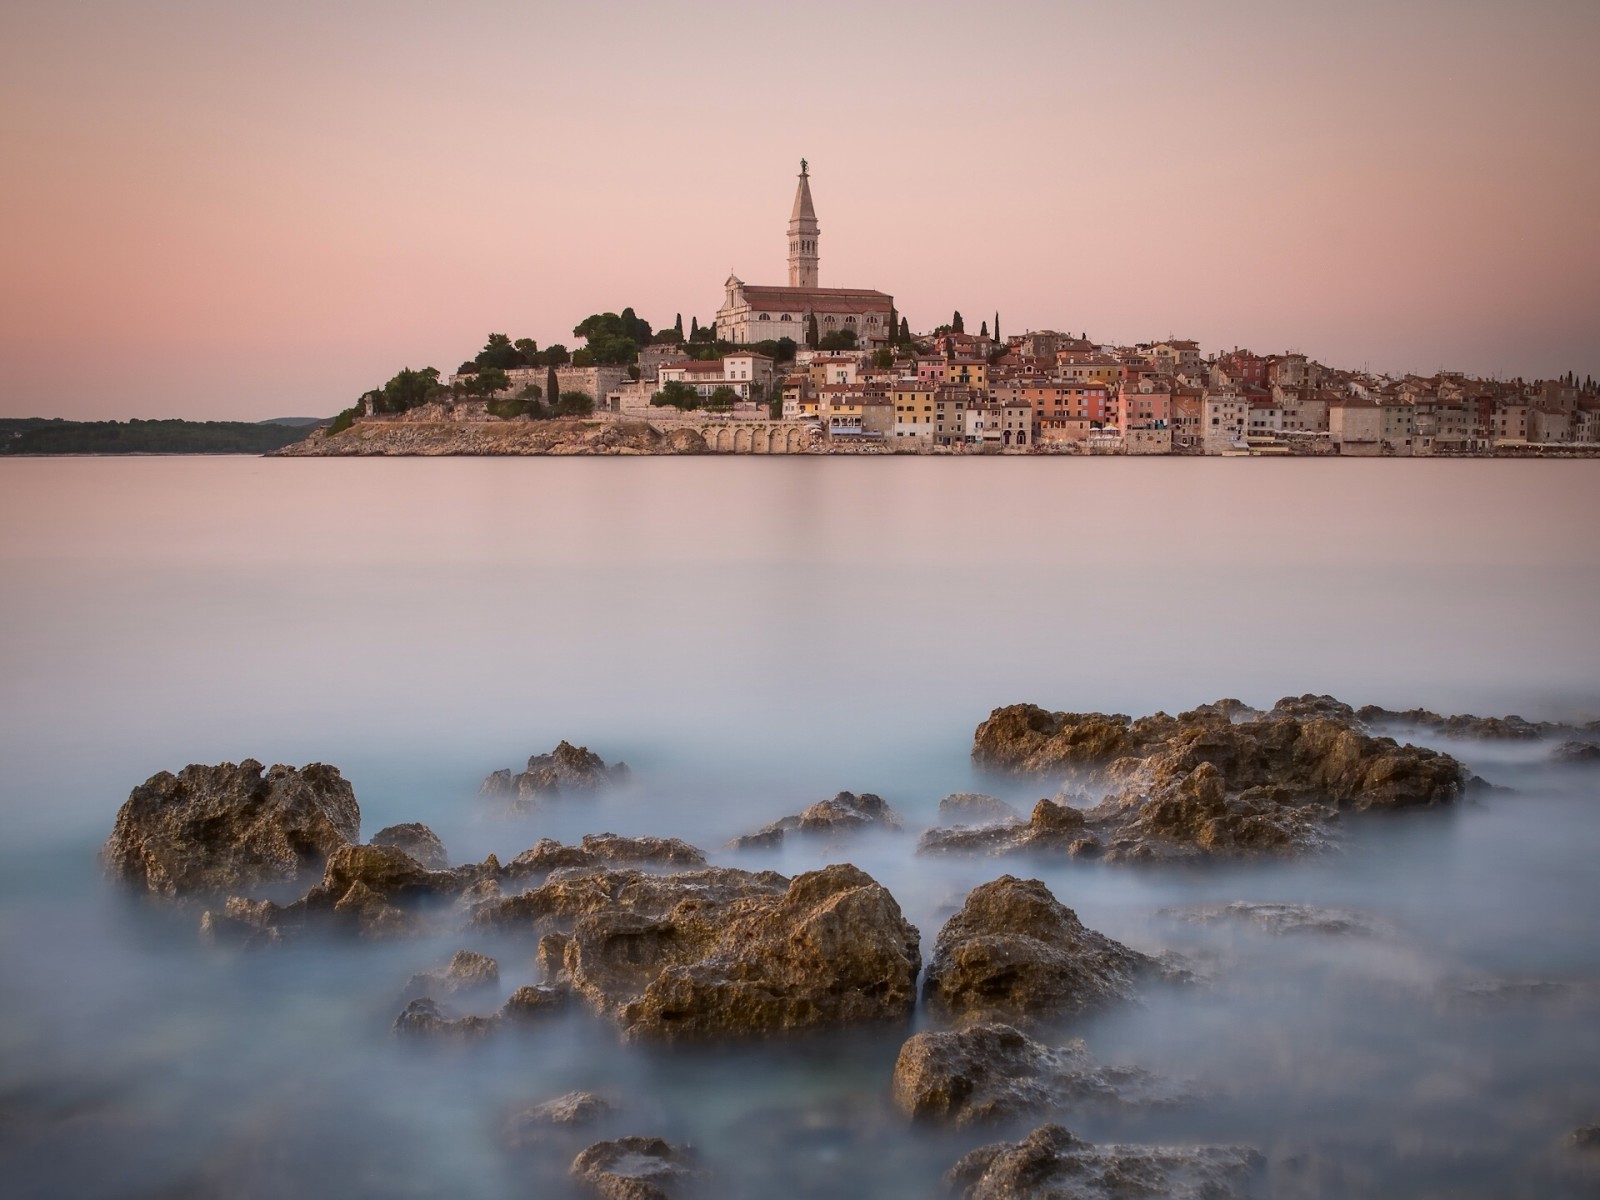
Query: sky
x: 240, y: 211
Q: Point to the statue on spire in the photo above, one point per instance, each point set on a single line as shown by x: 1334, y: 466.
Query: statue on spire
x: 802, y: 166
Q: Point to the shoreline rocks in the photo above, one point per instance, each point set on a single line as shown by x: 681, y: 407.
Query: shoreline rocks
x: 417, y: 840
x: 566, y: 772
x: 638, y: 1168
x: 846, y: 813
x: 1015, y: 952
x: 214, y: 830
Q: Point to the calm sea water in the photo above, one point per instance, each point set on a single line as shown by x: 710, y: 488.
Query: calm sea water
x: 751, y: 636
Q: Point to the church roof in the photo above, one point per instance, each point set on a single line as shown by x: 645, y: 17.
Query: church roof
x: 803, y: 210
x: 839, y: 300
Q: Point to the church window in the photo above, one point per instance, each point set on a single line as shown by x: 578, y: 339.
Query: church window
x: 785, y: 317
x: 764, y: 317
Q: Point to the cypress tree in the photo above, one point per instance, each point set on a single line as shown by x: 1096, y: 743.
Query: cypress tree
x: 677, y: 327
x: 694, y: 328
x: 956, y: 324
x: 811, y: 331
x: 552, y: 389
x: 983, y: 329
x: 997, y: 324
x: 905, y: 332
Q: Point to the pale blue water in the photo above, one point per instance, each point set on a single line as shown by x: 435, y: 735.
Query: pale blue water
x: 751, y: 636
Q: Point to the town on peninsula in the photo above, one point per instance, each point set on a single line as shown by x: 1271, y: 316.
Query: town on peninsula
x: 809, y: 369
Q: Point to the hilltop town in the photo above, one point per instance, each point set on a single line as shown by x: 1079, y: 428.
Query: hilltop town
x: 800, y: 367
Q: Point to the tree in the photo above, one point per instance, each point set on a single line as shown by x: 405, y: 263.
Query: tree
x: 573, y: 404
x: 997, y: 324
x: 554, y: 356
x: 613, y: 338
x: 956, y: 325
x: 983, y: 329
x: 406, y: 391
x: 775, y: 407
x: 677, y: 327
x: 779, y: 351
x: 490, y: 381
x: 723, y: 399
x: 883, y: 359
x: 694, y: 329
x: 905, y: 332
x: 839, y: 339
x: 529, y: 349
x: 499, y: 352
x: 811, y: 330
x: 552, y: 385
x: 676, y: 394
x: 583, y: 357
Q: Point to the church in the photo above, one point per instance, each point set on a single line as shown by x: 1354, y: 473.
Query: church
x: 753, y: 313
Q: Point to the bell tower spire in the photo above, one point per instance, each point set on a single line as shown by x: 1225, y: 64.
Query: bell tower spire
x: 803, y: 233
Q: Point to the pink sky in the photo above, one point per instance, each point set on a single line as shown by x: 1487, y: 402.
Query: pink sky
x: 243, y: 211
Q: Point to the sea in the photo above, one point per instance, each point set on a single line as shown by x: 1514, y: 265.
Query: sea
x: 752, y: 635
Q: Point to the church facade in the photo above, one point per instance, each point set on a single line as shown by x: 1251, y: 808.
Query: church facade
x: 757, y: 313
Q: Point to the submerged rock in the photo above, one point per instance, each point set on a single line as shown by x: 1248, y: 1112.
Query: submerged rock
x: 426, y: 1018
x: 565, y: 1116
x: 603, y: 849
x: 468, y: 971
x: 534, y: 1002
x: 1015, y: 951
x: 1280, y: 918
x: 1585, y: 1137
x: 638, y: 1168
x: 227, y: 828
x: 722, y: 952
x: 992, y: 1072
x: 974, y: 808
x: 845, y: 813
x: 566, y: 771
x: 1052, y: 1164
x: 417, y: 840
x: 1577, y: 752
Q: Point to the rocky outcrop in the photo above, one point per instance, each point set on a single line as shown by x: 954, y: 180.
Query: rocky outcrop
x: 211, y: 831
x: 638, y: 1168
x: 1577, y: 752
x: 567, y: 771
x: 992, y: 1072
x: 601, y: 850
x: 846, y: 813
x: 417, y: 840
x: 1052, y: 1164
x: 534, y: 1002
x: 722, y: 953
x: 1219, y: 781
x: 1014, y: 951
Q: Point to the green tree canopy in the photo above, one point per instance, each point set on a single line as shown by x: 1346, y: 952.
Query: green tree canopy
x: 778, y: 350
x: 839, y: 339
x: 676, y: 394
x: 722, y: 399
x: 613, y: 338
x: 811, y: 331
x: 406, y: 390
x: 956, y: 323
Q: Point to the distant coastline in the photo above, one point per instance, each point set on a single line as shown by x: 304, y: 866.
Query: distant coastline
x: 28, y: 437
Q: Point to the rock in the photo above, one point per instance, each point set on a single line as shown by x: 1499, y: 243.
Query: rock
x: 974, y: 808
x: 1309, y: 706
x: 720, y: 953
x: 604, y: 849
x: 468, y: 971
x: 1015, y: 951
x: 426, y: 1018
x: 845, y: 813
x: 566, y: 771
x: 370, y: 915
x: 216, y: 830
x: 1050, y: 827
x: 248, y: 924
x: 992, y: 1072
x: 566, y: 1115
x: 1577, y: 752
x: 1585, y: 1137
x: 534, y: 1002
x: 1282, y: 918
x: 1052, y: 1164
x: 420, y: 842
x: 1027, y: 738
x: 637, y: 1168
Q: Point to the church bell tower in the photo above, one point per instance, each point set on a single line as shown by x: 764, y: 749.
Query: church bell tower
x: 803, y: 233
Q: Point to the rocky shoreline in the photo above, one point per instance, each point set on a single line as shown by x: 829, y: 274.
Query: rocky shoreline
x: 650, y: 936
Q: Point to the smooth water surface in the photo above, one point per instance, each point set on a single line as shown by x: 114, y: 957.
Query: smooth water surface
x: 753, y: 635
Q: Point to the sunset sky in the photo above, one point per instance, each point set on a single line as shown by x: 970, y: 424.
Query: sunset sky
x: 244, y: 211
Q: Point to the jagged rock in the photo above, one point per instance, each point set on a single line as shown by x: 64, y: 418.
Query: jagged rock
x: 721, y: 952
x: 604, y: 849
x: 1585, y: 1137
x: 1026, y: 738
x: 1051, y: 826
x: 416, y: 840
x: 974, y: 808
x: 567, y: 770
x: 992, y: 1072
x: 1577, y: 752
x: 1015, y: 951
x: 534, y: 1002
x: 426, y: 1018
x: 565, y: 1115
x: 637, y: 1168
x: 845, y: 813
x: 1309, y: 706
x: 250, y: 924
x: 215, y: 830
x: 1282, y: 918
x: 468, y: 971
x: 1052, y: 1164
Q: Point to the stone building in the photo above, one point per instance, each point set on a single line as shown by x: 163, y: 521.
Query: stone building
x: 758, y: 313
